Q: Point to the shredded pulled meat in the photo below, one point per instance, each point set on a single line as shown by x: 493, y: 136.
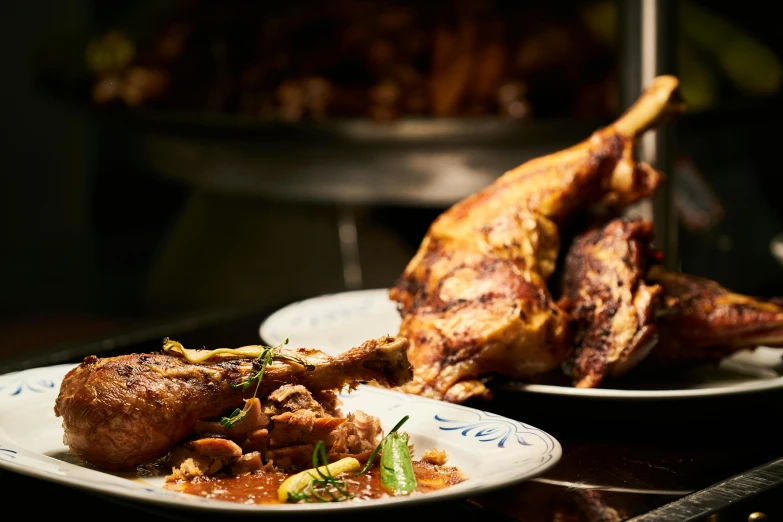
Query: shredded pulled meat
x: 278, y: 433
x: 357, y: 437
x: 435, y: 457
x: 292, y: 397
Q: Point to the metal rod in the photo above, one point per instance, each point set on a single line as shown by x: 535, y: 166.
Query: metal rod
x: 349, y: 248
x: 630, y: 51
x: 648, y: 46
x: 631, y: 81
x: 658, y: 44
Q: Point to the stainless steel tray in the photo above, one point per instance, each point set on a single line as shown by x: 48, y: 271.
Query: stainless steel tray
x: 421, y: 162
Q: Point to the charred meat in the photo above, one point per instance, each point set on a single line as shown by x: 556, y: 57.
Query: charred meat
x: 702, y: 322
x: 125, y: 411
x: 627, y: 310
x: 474, y: 299
x: 612, y: 310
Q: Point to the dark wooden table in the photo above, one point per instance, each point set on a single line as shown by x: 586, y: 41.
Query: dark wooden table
x: 713, y: 460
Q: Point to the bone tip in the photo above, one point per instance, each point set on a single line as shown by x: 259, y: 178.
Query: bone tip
x: 392, y: 342
x: 666, y: 82
x: 667, y: 87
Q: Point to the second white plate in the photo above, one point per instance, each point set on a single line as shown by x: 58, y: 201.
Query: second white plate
x: 336, y: 322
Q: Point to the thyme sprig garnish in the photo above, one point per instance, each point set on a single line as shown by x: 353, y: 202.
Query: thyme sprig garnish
x: 327, y: 488
x: 264, y: 359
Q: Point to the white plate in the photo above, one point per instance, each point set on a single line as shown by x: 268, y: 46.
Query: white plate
x: 493, y: 451
x: 336, y: 322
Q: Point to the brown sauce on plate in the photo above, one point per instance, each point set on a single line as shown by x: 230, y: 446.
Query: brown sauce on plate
x: 261, y: 487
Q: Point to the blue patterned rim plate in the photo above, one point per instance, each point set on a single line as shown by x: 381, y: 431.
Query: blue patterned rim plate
x: 493, y: 451
x: 336, y: 322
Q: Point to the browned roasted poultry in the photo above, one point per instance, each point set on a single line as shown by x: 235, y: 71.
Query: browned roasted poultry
x: 612, y: 310
x: 121, y: 412
x: 701, y: 321
x: 474, y: 299
x: 626, y: 309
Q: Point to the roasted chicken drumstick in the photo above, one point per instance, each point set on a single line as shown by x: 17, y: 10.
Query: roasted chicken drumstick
x: 474, y: 299
x: 121, y: 412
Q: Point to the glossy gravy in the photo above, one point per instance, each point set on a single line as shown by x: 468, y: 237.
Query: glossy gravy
x: 261, y: 487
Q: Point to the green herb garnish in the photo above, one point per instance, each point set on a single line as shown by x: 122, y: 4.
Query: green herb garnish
x: 378, y: 447
x: 264, y: 359
x: 323, y: 489
x: 396, y: 474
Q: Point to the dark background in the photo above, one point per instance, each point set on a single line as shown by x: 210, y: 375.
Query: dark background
x: 92, y: 241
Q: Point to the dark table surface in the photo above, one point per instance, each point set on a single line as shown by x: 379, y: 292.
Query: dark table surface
x: 711, y: 459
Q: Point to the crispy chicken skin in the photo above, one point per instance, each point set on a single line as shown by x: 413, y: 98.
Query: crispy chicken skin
x: 701, y: 321
x: 627, y: 310
x: 612, y: 310
x: 125, y: 411
x: 474, y: 298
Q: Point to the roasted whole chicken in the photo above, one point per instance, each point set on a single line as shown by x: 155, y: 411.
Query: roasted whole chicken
x: 478, y: 298
x: 122, y: 412
x: 474, y: 299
